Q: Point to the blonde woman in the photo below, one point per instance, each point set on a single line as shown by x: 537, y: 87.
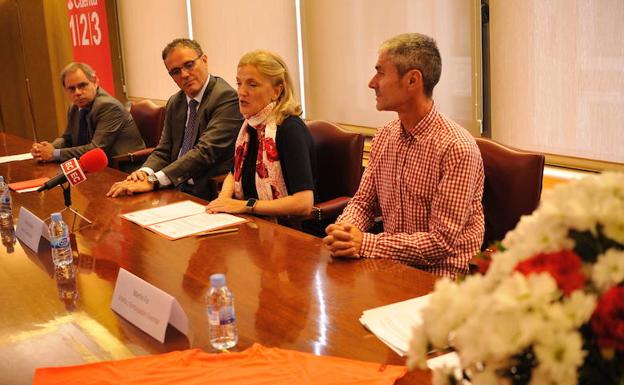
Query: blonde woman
x: 274, y: 160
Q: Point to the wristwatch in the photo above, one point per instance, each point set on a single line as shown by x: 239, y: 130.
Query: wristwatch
x: 154, y: 180
x: 250, y: 205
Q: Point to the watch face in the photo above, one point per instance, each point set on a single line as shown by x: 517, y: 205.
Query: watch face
x: 251, y: 202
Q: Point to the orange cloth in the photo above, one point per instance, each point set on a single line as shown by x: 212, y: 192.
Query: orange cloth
x: 256, y: 365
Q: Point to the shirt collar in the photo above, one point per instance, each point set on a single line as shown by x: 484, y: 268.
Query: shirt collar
x: 422, y: 126
x: 200, y: 94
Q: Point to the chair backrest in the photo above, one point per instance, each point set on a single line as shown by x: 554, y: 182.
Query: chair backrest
x: 513, y: 185
x: 338, y: 158
x: 150, y: 120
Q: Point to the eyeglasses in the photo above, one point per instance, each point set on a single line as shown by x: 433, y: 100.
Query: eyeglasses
x: 79, y: 86
x: 188, y: 66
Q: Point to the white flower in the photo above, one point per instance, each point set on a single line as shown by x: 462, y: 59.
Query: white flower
x: 417, y: 353
x: 490, y: 319
x: 449, y: 306
x: 578, y: 307
x: 613, y: 229
x: 609, y: 269
x: 559, y: 354
x: 443, y: 376
x: 485, y: 377
x: 507, y: 320
x: 534, y: 291
x: 572, y: 312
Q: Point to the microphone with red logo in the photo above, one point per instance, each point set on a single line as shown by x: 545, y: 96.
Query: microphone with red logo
x: 73, y: 171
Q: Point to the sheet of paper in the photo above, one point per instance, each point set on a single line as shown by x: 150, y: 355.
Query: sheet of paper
x: 13, y: 158
x: 393, y: 323
x: 25, y: 190
x: 183, y: 227
x: 164, y: 213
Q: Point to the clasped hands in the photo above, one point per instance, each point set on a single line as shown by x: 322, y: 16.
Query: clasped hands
x: 343, y: 240
x: 134, y: 183
x: 42, y: 151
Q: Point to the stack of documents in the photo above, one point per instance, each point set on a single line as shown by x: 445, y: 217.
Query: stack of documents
x: 181, y: 219
x: 393, y: 324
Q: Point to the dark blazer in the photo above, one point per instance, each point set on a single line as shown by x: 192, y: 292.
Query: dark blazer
x: 110, y: 127
x: 218, y: 122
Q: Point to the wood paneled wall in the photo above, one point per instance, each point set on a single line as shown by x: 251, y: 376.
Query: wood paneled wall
x: 35, y: 46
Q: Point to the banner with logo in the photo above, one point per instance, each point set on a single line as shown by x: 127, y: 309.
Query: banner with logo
x: 88, y: 28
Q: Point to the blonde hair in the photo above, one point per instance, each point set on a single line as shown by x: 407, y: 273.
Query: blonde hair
x: 273, y: 67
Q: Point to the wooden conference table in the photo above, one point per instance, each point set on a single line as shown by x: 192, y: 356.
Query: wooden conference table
x: 289, y: 292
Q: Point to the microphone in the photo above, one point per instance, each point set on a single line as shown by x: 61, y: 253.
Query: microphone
x: 91, y: 161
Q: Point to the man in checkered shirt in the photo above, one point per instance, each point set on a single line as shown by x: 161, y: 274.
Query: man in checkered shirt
x: 424, y: 177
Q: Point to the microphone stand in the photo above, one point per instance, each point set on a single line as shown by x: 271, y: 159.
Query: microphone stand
x: 67, y: 197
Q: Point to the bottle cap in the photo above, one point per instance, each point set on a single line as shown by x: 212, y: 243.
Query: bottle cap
x: 56, y: 216
x: 217, y: 280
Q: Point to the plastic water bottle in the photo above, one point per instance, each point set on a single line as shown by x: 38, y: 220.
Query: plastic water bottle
x: 221, y: 318
x: 6, y: 209
x: 59, y: 242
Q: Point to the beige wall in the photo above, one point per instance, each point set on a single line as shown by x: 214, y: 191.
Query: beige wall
x: 250, y: 28
x: 557, y: 71
x: 146, y: 26
x: 341, y: 39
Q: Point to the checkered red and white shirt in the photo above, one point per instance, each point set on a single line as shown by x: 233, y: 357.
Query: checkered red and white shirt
x: 427, y: 184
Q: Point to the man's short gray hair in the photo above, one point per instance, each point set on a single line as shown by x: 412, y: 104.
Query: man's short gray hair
x: 411, y: 51
x: 75, y: 66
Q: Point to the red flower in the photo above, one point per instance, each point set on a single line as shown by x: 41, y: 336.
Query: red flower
x: 274, y: 192
x: 271, y: 149
x: 608, y: 319
x: 483, y: 265
x: 239, y: 154
x: 483, y: 259
x: 564, y: 266
x: 262, y: 170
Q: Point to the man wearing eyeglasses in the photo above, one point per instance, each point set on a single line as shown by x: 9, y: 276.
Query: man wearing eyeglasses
x: 201, y: 124
x: 95, y: 119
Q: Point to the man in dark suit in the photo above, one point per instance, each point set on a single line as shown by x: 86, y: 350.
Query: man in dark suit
x: 201, y: 124
x: 95, y: 119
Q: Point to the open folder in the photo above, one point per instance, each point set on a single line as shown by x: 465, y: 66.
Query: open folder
x: 181, y: 219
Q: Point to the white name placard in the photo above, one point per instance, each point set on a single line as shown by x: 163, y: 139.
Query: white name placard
x: 30, y: 229
x: 147, y: 307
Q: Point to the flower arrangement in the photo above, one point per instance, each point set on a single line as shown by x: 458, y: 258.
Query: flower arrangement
x: 550, y: 308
